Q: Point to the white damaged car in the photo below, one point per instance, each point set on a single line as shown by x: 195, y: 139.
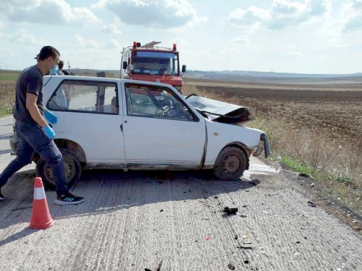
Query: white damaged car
x: 138, y: 125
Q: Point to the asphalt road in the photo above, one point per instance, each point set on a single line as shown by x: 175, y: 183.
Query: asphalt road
x: 144, y: 220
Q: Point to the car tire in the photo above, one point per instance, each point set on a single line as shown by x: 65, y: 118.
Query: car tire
x: 230, y: 164
x: 72, y: 168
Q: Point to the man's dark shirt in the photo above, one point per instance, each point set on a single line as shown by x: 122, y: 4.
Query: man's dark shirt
x: 30, y: 80
x: 65, y: 72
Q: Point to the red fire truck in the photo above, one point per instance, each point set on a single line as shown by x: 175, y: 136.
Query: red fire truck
x: 150, y: 63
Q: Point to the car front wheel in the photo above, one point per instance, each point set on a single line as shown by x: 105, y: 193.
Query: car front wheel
x: 230, y: 164
x: 72, y: 169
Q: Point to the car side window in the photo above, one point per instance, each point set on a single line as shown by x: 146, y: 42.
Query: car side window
x: 156, y: 102
x: 91, y: 97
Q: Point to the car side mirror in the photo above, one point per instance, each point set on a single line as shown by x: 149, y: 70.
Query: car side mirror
x: 124, y: 65
x: 183, y: 68
x: 130, y: 67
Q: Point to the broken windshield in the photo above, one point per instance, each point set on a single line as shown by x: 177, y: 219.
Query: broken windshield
x: 155, y: 63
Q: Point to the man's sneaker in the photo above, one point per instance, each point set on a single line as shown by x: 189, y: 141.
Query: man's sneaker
x: 68, y: 199
x: 1, y: 196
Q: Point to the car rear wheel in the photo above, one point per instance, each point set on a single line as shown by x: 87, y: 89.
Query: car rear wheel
x: 72, y: 169
x: 230, y: 164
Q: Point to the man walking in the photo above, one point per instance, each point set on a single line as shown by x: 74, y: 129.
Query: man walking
x: 34, y: 133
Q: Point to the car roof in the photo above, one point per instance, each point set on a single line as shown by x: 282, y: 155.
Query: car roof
x: 60, y: 78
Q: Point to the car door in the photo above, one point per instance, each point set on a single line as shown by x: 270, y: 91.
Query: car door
x: 159, y: 129
x: 93, y: 119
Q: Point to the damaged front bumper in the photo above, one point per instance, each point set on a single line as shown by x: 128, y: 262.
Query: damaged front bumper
x: 263, y: 146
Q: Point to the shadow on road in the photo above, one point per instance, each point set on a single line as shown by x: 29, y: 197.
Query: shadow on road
x: 16, y: 236
x: 108, y: 191
x: 5, y: 137
x: 5, y: 151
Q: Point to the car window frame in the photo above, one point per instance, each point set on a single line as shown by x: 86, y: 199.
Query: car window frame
x: 175, y: 96
x: 91, y: 83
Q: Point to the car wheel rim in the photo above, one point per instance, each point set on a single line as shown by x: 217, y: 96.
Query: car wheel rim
x: 231, y: 164
x: 68, y: 170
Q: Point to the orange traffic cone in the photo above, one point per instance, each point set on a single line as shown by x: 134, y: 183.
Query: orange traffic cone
x: 40, y: 218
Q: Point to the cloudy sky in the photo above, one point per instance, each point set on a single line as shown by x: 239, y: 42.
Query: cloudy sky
x: 303, y: 36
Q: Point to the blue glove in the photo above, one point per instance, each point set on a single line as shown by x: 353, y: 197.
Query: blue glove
x: 49, y: 131
x: 53, y: 119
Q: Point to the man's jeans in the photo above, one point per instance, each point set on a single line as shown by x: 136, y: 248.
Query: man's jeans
x: 31, y: 139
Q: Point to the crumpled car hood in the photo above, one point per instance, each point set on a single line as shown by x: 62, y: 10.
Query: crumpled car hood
x: 220, y: 111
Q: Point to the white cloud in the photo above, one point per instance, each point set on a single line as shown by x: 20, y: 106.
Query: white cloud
x: 112, y: 44
x: 285, y: 8
x: 178, y: 41
x: 282, y: 14
x: 352, y: 12
x: 24, y: 36
x: 198, y: 54
x: 11, y: 5
x: 56, y: 12
x: 354, y: 23
x: 317, y: 8
x: 90, y: 45
x: 241, y: 40
x: 248, y: 18
x: 229, y: 52
x: 294, y: 54
x: 110, y: 29
x: 357, y: 4
x: 2, y: 25
x: 162, y: 14
x: 85, y: 43
x: 341, y: 45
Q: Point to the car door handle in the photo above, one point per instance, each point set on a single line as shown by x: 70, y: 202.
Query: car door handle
x: 121, y: 127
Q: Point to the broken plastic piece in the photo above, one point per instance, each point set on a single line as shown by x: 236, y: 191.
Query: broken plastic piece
x: 231, y: 211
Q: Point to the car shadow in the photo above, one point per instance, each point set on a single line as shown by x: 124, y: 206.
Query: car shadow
x: 108, y: 191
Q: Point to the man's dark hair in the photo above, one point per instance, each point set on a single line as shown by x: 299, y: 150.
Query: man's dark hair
x: 48, y: 51
x: 61, y: 64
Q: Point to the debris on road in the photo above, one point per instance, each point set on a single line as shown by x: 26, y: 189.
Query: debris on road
x: 311, y: 203
x: 231, y: 211
x: 231, y: 267
x: 159, y: 266
x: 157, y: 269
x: 245, y: 247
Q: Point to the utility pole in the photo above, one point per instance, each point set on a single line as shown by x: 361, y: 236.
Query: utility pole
x: 68, y: 67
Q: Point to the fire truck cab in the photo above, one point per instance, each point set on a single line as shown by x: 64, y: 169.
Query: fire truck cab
x: 151, y: 63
